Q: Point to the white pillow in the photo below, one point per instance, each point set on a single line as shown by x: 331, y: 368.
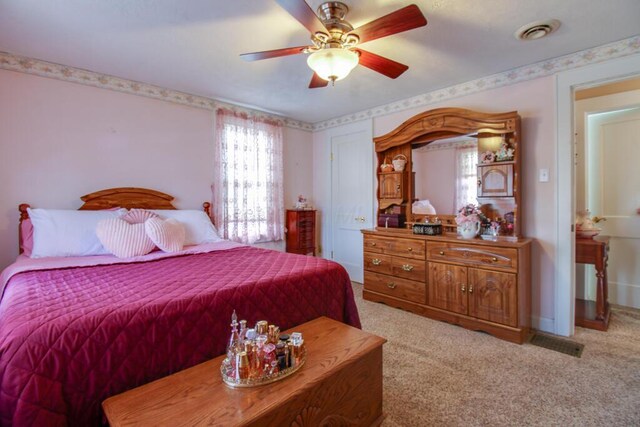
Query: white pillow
x: 197, y: 225
x: 58, y: 232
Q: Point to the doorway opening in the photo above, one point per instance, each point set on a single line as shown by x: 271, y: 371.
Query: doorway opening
x: 567, y: 83
x: 607, y: 182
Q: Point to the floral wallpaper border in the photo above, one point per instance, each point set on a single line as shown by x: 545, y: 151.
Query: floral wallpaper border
x: 602, y: 53
x: 41, y: 68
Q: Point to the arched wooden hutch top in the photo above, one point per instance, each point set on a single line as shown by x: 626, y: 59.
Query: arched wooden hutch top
x: 441, y: 123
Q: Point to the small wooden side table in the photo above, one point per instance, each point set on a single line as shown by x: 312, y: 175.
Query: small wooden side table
x: 590, y: 314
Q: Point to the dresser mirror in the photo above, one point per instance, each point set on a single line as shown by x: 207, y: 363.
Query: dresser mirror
x: 444, y: 172
x: 432, y: 143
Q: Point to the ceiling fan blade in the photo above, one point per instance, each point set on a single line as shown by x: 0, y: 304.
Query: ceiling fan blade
x: 381, y: 64
x: 396, y: 22
x: 266, y: 54
x: 316, y: 81
x: 300, y: 10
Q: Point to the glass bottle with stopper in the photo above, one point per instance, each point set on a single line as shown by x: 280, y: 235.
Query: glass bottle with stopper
x: 232, y: 347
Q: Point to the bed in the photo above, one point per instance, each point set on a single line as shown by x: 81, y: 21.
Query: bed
x: 74, y: 332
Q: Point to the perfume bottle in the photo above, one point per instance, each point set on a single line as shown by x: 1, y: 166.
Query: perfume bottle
x: 256, y: 362
x: 232, y: 347
x: 291, y: 352
x: 243, y: 332
x: 262, y: 327
x: 280, y: 356
x: 242, y: 363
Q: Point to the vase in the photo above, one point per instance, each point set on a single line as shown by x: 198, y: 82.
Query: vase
x: 469, y: 230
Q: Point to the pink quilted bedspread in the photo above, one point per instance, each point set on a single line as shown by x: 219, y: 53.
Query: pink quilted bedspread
x: 69, y: 338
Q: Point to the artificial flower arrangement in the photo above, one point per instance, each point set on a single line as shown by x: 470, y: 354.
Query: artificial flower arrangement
x: 505, y: 153
x: 470, y: 213
x: 487, y: 157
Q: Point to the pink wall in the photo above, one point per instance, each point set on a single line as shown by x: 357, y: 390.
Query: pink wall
x: 60, y: 140
x: 298, y: 166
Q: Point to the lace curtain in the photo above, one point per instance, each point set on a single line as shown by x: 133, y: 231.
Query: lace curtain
x: 248, y: 191
x: 466, y: 178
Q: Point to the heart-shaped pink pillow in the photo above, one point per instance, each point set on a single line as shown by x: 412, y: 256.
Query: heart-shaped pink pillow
x: 136, y: 216
x: 167, y: 234
x: 122, y: 239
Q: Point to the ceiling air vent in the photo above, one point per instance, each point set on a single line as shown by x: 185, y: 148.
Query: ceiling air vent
x: 537, y: 30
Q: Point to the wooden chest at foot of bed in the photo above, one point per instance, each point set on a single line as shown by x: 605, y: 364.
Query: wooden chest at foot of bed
x: 339, y: 384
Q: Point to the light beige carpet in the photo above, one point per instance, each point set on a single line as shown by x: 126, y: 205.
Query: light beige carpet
x: 443, y: 375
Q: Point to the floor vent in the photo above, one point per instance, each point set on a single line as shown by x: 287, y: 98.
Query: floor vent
x: 571, y: 348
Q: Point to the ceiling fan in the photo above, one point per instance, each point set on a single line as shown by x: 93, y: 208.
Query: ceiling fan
x: 335, y: 50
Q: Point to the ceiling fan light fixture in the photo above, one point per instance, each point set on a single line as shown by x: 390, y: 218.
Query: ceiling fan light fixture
x: 333, y: 64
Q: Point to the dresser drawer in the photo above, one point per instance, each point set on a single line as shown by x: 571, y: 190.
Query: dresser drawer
x: 377, y: 244
x: 306, y: 215
x: 408, y: 268
x: 407, y: 248
x: 307, y: 235
x: 305, y: 224
x: 502, y: 258
x: 395, y: 287
x: 377, y: 263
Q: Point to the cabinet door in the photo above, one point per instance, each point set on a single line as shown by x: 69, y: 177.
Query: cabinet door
x: 493, y: 296
x: 391, y: 185
x: 495, y: 180
x: 448, y: 287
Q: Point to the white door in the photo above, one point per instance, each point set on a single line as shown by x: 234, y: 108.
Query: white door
x: 351, y: 195
x: 613, y: 171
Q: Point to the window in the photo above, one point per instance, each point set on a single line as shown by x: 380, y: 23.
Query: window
x: 248, y: 193
x: 466, y: 178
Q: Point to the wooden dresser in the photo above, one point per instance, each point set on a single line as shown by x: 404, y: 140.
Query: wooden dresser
x: 480, y: 285
x: 301, y: 231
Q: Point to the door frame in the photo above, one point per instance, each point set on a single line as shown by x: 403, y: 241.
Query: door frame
x: 566, y: 84
x: 365, y: 126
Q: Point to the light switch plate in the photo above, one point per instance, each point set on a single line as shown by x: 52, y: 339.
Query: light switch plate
x: 543, y: 175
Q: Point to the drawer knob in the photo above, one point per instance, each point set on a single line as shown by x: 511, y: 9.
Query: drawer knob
x: 407, y: 267
x: 463, y: 288
x: 470, y: 289
x: 376, y: 261
x: 494, y: 259
x: 409, y: 249
x: 391, y: 285
x: 373, y: 244
x: 441, y: 252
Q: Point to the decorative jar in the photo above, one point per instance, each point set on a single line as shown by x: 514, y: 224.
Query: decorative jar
x: 399, y: 162
x: 469, y: 229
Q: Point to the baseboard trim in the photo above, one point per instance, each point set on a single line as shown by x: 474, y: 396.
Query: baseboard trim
x: 543, y: 324
x: 624, y: 294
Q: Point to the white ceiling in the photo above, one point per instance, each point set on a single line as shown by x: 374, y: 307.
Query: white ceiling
x: 194, y: 45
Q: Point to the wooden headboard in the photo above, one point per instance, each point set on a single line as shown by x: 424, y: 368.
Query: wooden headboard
x: 121, y: 197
